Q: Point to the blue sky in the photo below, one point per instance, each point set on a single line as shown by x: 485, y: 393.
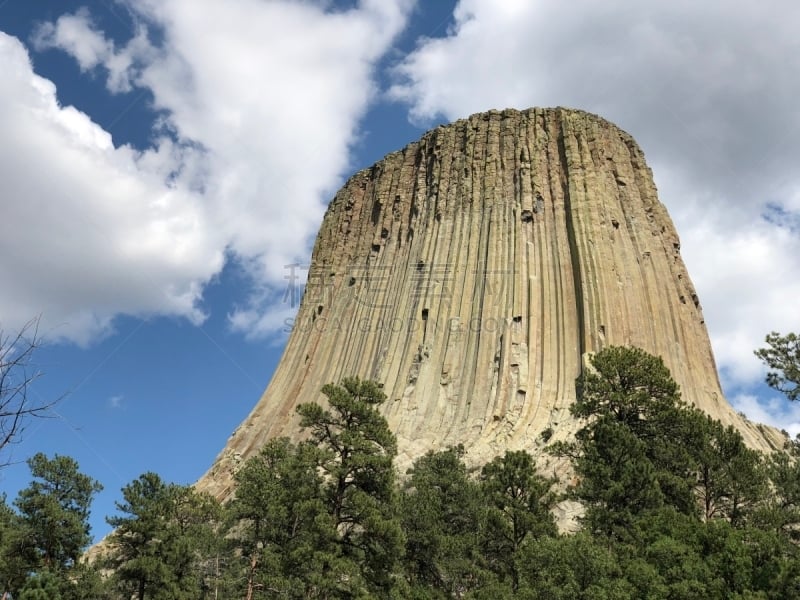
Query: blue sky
x: 163, y: 161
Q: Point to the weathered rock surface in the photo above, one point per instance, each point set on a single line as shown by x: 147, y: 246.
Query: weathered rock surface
x: 472, y: 272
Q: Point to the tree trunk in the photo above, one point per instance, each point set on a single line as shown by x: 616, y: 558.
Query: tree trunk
x: 250, y: 575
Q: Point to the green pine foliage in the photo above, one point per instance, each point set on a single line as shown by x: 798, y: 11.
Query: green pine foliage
x: 13, y: 569
x: 54, y: 513
x: 675, y: 506
x: 687, y: 510
x: 357, y: 452
x: 442, y: 516
x: 516, y: 501
x: 281, y: 537
x: 782, y: 356
x: 318, y: 519
x: 162, y: 538
x: 41, y: 586
x: 42, y: 541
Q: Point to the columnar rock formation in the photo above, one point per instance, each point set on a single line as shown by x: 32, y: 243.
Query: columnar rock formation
x: 472, y: 272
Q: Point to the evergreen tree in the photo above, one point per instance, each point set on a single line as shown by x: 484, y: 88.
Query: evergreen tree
x: 518, y: 510
x: 281, y: 529
x: 634, y: 454
x: 41, y: 586
x: 161, y: 539
x: 780, y: 512
x: 572, y: 567
x: 85, y: 582
x: 54, y: 514
x: 731, y: 478
x: 13, y: 569
x: 357, y: 451
x: 136, y: 557
x: 629, y: 388
x: 782, y: 356
x: 443, y: 518
x: 617, y: 480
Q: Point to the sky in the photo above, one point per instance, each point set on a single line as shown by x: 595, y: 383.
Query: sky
x: 164, y: 161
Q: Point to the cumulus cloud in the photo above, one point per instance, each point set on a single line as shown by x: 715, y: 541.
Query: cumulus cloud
x: 86, y: 231
x: 259, y: 102
x: 709, y: 93
x: 74, y: 34
x: 77, y: 35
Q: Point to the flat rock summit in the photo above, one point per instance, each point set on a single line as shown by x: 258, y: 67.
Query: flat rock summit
x: 472, y: 273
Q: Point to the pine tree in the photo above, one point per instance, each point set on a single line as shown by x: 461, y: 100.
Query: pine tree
x: 357, y: 451
x: 634, y: 452
x: 13, y: 569
x: 54, y: 514
x: 518, y: 510
x: 443, y: 517
x: 41, y: 586
x: 731, y: 478
x: 161, y: 538
x: 782, y: 356
x: 282, y: 537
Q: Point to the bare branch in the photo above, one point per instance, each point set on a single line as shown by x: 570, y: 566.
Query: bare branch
x: 17, y: 374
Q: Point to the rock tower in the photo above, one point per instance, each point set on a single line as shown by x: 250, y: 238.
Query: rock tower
x: 472, y: 272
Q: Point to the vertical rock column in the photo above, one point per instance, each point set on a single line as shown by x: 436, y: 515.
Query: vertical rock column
x: 473, y: 271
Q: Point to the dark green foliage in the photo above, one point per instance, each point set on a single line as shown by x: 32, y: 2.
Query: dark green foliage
x: 41, y: 544
x: 780, y: 512
x: 618, y: 481
x: 318, y: 519
x: 782, y: 356
x: 85, y: 583
x: 162, y: 537
x: 711, y: 560
x: 136, y: 554
x: 41, y: 586
x: 635, y: 452
x: 443, y: 515
x: 676, y: 507
x: 642, y: 449
x: 571, y: 568
x: 283, y: 536
x: 517, y: 503
x: 629, y: 386
x: 54, y: 513
x: 646, y: 463
x: 13, y: 569
x: 358, y: 447
x: 731, y: 478
x: 357, y: 451
x: 465, y: 534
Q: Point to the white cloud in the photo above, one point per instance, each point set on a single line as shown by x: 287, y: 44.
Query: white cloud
x: 86, y: 232
x: 748, y: 276
x: 709, y: 93
x: 260, y: 101
x: 74, y: 34
x: 775, y: 411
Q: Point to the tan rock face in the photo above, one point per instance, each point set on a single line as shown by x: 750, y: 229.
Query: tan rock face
x: 473, y: 271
